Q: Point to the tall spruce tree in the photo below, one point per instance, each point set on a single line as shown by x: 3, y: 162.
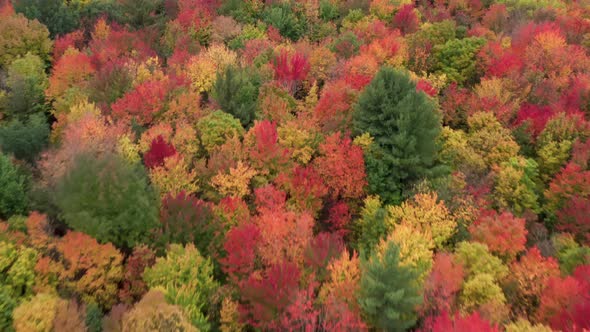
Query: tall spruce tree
x: 237, y: 94
x: 389, y: 293
x: 404, y: 124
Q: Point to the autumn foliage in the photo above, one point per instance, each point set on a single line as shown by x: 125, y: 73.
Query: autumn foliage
x: 310, y: 165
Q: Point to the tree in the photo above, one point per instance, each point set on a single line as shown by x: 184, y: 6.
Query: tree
x: 236, y: 92
x: 37, y: 314
x: 426, y: 214
x: 504, y: 234
x: 13, y: 189
x: 153, y: 313
x: 19, y: 36
x: 187, y: 280
x: 91, y: 270
x: 218, y: 127
x: 108, y: 199
x: 57, y: 15
x: 530, y: 276
x: 186, y: 219
x: 389, y: 293
x: 143, y: 103
x: 7, y: 305
x: 26, y: 139
x: 17, y: 269
x: 442, y: 285
x: 26, y: 83
x: 456, y: 323
x: 133, y: 287
x: 342, y: 167
x: 404, y: 125
x: 456, y: 59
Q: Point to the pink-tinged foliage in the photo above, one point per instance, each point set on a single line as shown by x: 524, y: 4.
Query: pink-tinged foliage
x: 159, y: 150
x: 572, y: 181
x: 268, y: 296
x: 73, y: 39
x: 253, y: 48
x: 233, y: 210
x: 496, y: 17
x: 334, y: 108
x: 406, y: 19
x: 321, y: 250
x: 289, y: 69
x: 565, y: 301
x: 284, y: 235
x: 442, y: 285
x: 342, y: 167
x: 269, y: 198
x: 504, y: 234
x: 339, y: 218
x: 337, y: 316
x: 575, y: 218
x: 457, y: 323
x: 142, y: 103
x: 240, y: 247
x: 266, y: 154
x: 536, y: 116
x: 301, y: 314
x: 120, y: 44
x: 424, y: 86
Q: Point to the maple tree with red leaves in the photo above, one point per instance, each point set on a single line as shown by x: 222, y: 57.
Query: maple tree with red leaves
x: 159, y: 150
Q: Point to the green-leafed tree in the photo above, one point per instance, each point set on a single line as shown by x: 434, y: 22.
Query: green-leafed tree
x: 457, y: 59
x: 237, y: 94
x: 26, y: 83
x: 25, y: 140
x: 405, y: 125
x: 109, y: 199
x: 19, y: 36
x: 389, y: 292
x: 13, y: 189
x: 187, y: 281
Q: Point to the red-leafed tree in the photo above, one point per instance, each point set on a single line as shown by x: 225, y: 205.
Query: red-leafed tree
x: 565, y: 300
x: 575, y: 218
x: 406, y: 19
x: 240, y: 247
x: 342, y: 167
x: 263, y: 148
x: 159, y: 150
x: 339, y: 217
x: 536, y: 117
x: 321, y: 250
x: 290, y: 69
x: 530, y: 276
x: 267, y: 296
x: 142, y: 103
x: 442, y: 285
x: 305, y: 187
x: 334, y: 108
x: 504, y: 234
x: 73, y: 39
x: 457, y: 323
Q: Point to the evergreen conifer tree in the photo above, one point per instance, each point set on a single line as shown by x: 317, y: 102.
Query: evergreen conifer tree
x: 404, y: 124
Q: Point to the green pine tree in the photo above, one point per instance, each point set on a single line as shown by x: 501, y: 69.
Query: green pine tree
x: 389, y: 293
x: 237, y: 94
x: 405, y: 125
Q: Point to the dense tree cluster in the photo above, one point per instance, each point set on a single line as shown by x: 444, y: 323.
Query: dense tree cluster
x: 294, y: 165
